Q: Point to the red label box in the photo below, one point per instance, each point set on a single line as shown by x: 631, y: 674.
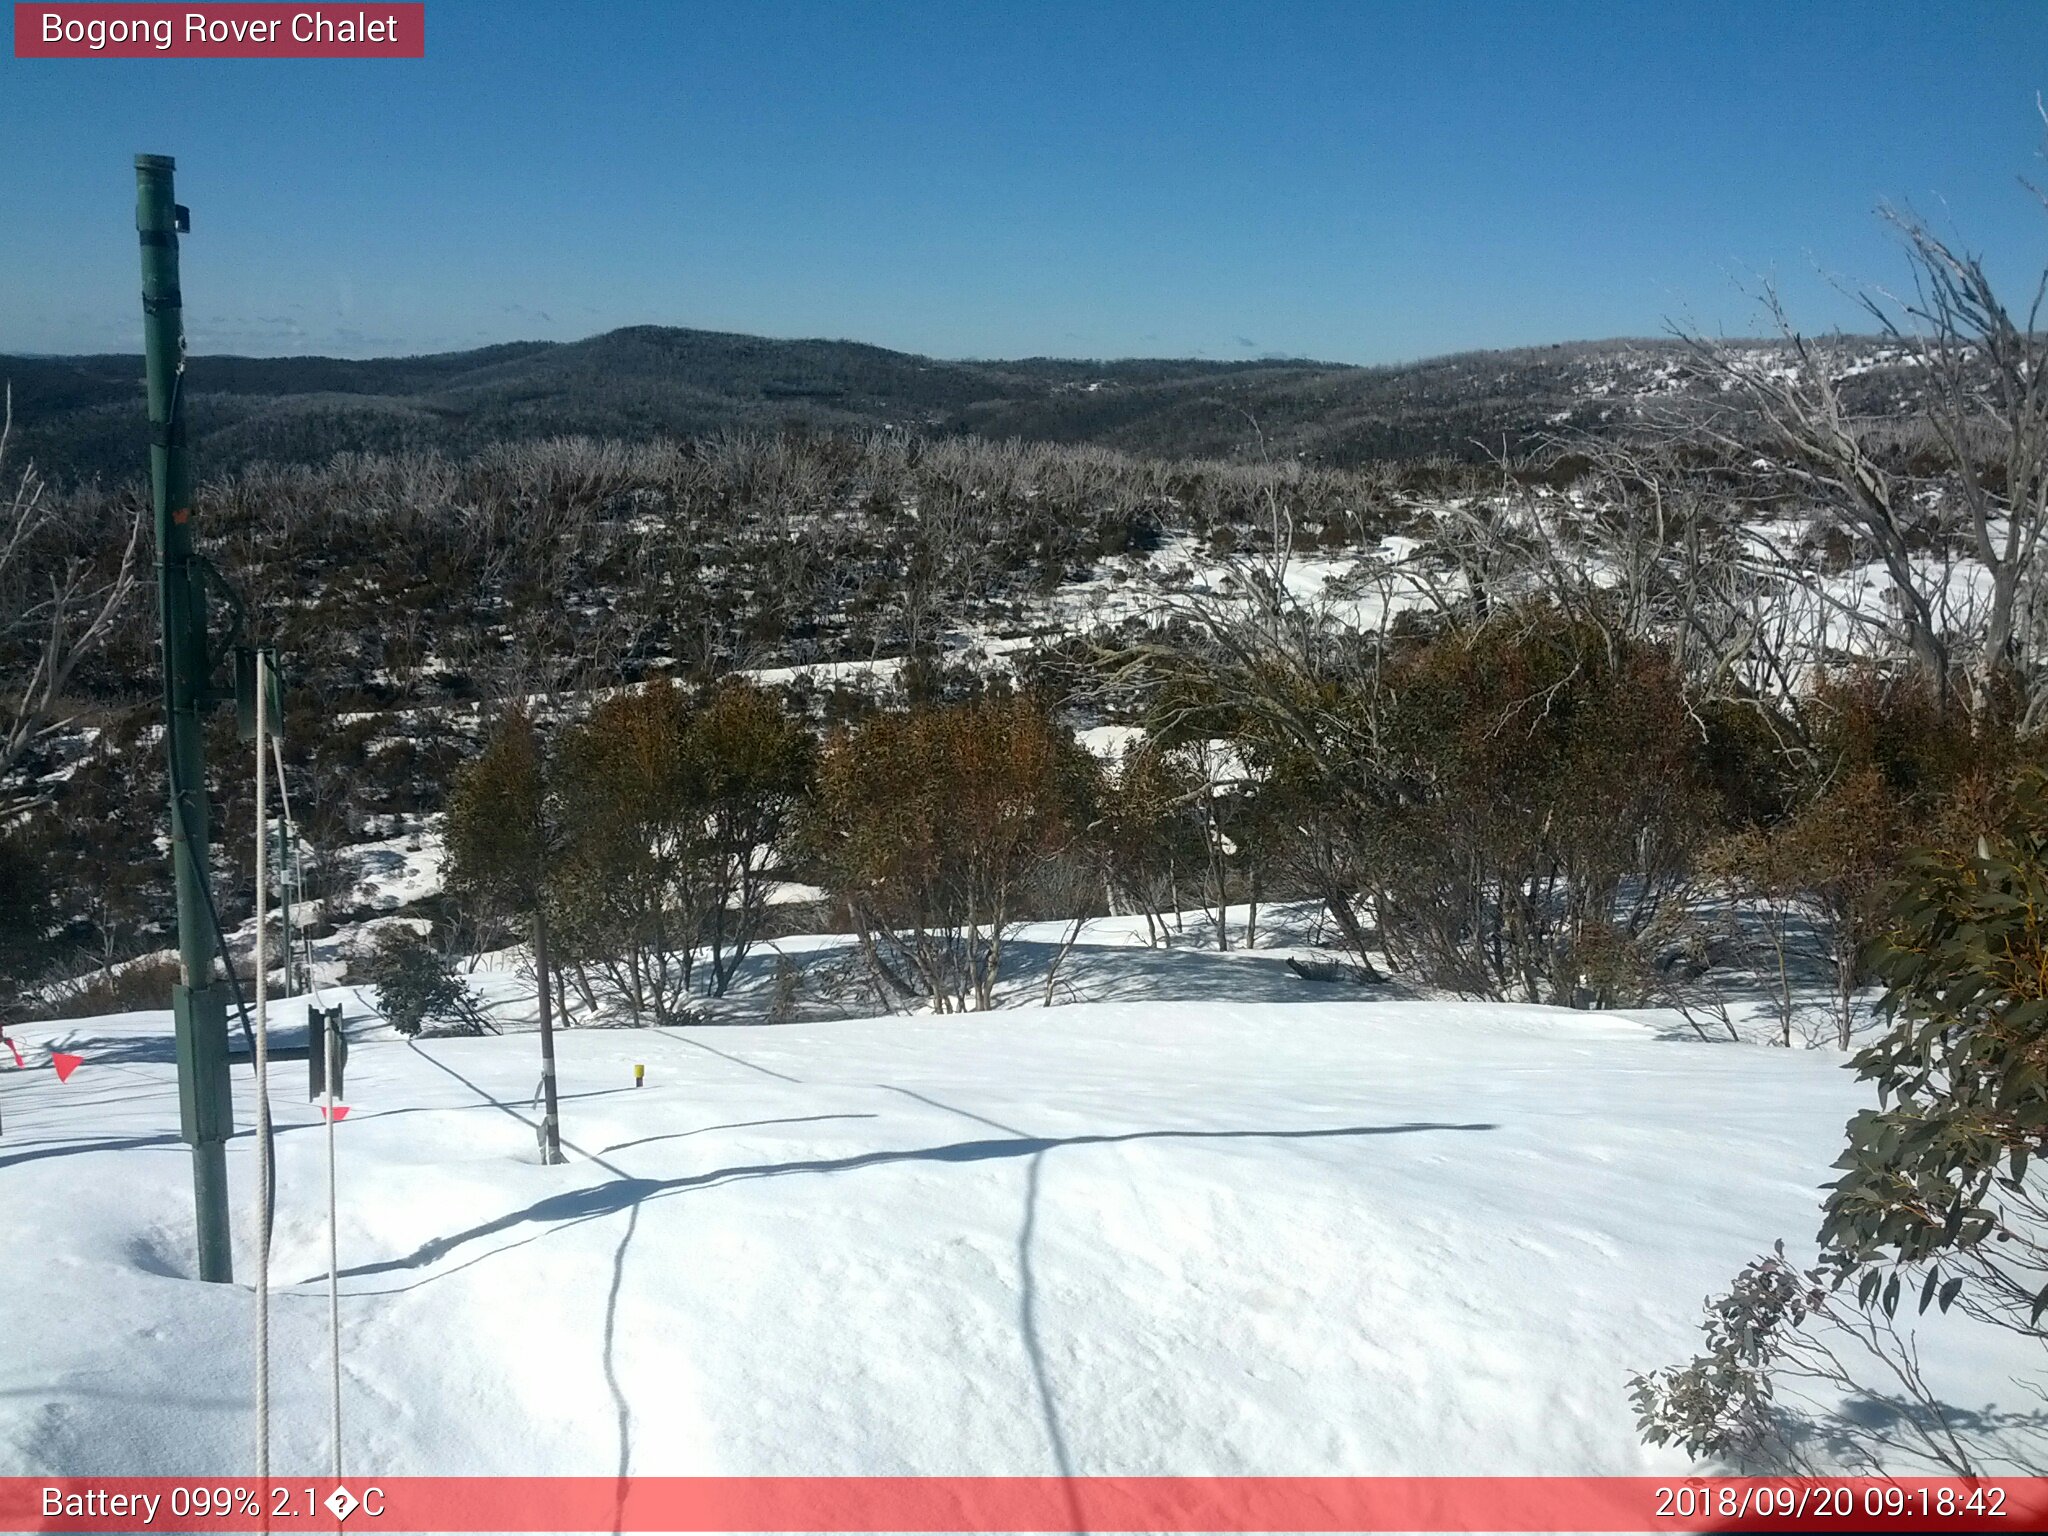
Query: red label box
x: 387, y: 1506
x: 98, y: 29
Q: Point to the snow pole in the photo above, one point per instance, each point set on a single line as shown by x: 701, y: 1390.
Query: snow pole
x: 333, y: 1239
x: 284, y: 897
x: 291, y: 876
x: 550, y: 1136
x: 287, y: 831
x: 198, y: 1004
x: 261, y: 1051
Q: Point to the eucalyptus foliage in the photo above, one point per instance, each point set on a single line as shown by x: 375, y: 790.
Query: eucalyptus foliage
x: 1939, y: 1204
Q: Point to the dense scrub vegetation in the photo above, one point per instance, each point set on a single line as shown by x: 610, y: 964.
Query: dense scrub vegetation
x: 404, y: 594
x: 1540, y: 775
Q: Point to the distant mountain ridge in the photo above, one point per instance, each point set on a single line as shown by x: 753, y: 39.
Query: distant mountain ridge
x: 82, y: 416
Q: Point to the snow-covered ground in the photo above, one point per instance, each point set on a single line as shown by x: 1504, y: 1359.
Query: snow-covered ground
x: 1262, y: 1227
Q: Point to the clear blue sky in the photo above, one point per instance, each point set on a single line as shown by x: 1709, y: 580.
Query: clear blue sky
x: 1356, y: 181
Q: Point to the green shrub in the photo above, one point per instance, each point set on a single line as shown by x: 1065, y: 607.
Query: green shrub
x: 416, y: 984
x: 1940, y: 1203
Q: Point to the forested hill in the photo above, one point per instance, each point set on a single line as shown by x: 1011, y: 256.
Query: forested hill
x: 82, y: 416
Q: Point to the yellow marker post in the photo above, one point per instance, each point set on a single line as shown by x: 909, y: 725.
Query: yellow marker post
x: 639, y: 1074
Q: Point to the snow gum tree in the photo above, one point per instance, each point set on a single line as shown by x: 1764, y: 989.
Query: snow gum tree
x: 755, y: 766
x: 675, y: 816
x: 931, y: 827
x: 1540, y: 800
x: 628, y: 886
x: 504, y: 833
x: 1515, y: 801
x: 1884, y: 767
x: 1146, y: 833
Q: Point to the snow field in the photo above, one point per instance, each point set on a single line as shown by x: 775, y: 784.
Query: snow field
x: 1183, y: 1237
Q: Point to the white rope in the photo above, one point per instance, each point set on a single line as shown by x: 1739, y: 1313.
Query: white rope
x: 262, y: 1053
x: 284, y: 853
x: 298, y: 870
x: 290, y: 875
x: 330, y: 1048
x: 333, y: 1259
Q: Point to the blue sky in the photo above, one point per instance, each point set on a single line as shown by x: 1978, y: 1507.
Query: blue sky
x: 1355, y: 181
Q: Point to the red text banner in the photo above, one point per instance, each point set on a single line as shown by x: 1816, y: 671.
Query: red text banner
x: 1025, y: 1504
x: 99, y: 30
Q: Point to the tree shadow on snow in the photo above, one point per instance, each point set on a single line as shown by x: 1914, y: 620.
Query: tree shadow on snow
x: 621, y: 1407
x: 288, y: 1035
x: 73, y: 1147
x: 572, y: 1207
x: 1875, y: 1433
x: 1027, y: 1299
x: 729, y: 1125
x: 1111, y: 963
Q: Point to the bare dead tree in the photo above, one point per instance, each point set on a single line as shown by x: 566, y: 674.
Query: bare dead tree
x: 1988, y: 407
x: 57, y: 601
x: 1643, y: 546
x: 1978, y: 372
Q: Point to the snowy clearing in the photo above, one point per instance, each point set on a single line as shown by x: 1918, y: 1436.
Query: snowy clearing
x: 1144, y: 1237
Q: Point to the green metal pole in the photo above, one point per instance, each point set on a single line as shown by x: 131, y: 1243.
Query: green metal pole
x: 199, y: 1005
